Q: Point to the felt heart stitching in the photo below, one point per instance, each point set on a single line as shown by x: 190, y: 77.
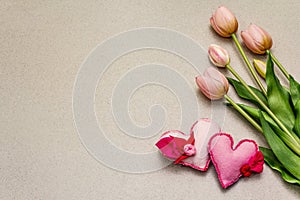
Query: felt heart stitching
x: 232, y: 163
x: 189, y: 150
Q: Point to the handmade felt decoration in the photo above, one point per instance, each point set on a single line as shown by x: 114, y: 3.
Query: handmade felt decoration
x: 189, y: 150
x: 205, y: 143
x: 232, y: 163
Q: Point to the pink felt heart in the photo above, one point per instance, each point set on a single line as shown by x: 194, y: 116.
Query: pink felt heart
x: 232, y: 163
x: 189, y: 150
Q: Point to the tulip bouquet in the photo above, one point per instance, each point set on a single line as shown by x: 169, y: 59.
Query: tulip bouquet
x: 274, y: 110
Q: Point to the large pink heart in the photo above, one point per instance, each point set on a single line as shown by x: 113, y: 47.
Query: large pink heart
x: 231, y: 163
x: 172, y: 143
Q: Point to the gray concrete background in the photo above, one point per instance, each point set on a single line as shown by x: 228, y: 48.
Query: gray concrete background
x: 43, y: 45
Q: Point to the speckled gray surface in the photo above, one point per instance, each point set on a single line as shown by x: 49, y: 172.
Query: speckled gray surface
x: 43, y: 45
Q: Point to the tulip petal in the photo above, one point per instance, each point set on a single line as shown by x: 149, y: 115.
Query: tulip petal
x: 260, y: 67
x: 256, y: 33
x: 268, y: 39
x: 212, y: 84
x: 224, y: 22
x: 210, y: 88
x: 257, y: 39
x: 216, y: 28
x: 218, y: 77
x: 250, y: 43
x: 263, y: 37
x: 218, y: 56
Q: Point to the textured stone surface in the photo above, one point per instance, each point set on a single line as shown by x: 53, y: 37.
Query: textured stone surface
x: 42, y: 47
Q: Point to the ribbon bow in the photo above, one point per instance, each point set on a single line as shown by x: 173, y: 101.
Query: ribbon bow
x: 255, y: 164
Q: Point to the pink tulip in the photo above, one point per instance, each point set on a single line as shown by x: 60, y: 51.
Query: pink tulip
x: 212, y: 84
x: 218, y: 56
x: 224, y: 22
x: 257, y: 39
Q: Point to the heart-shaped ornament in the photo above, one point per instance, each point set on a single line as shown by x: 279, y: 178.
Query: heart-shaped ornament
x: 189, y: 150
x: 232, y: 163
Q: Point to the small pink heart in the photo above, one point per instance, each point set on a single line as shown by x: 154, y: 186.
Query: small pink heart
x: 232, y: 163
x: 189, y: 150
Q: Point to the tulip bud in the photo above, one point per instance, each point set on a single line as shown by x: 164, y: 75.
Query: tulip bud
x: 212, y: 84
x: 224, y: 22
x: 260, y: 67
x: 257, y: 39
x: 218, y: 56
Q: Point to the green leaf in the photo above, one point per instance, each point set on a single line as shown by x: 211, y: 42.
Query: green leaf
x: 285, y: 155
x: 292, y: 142
x: 278, y: 97
x: 254, y: 113
x: 244, y: 94
x: 297, y: 122
x: 274, y: 163
x: 295, y: 90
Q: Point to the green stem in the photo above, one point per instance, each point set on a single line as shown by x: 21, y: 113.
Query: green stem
x: 295, y: 140
x: 242, y: 112
x: 283, y: 70
x: 237, y: 43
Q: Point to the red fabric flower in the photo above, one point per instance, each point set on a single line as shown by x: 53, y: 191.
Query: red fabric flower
x: 255, y: 164
x: 245, y: 170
